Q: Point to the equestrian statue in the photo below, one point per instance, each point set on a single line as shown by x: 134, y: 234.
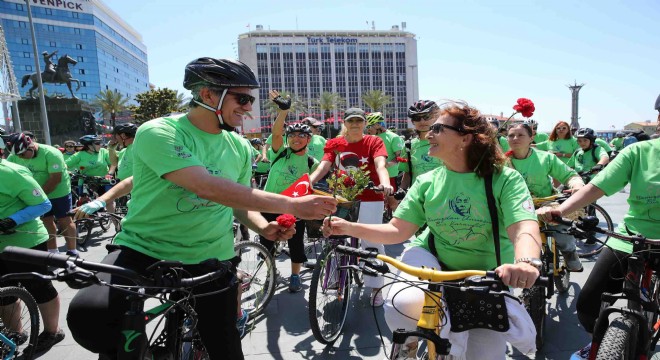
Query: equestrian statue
x: 53, y: 74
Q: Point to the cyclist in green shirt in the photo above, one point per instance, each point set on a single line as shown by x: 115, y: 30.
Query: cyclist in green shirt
x: 393, y: 144
x: 191, y: 176
x: 49, y: 170
x: 501, y: 139
x: 124, y: 135
x: 69, y: 149
x: 422, y: 114
x: 538, y: 137
x: 617, y: 142
x: 590, y: 154
x: 561, y: 142
x: 316, y: 145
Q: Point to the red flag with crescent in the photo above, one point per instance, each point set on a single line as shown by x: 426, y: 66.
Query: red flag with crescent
x: 300, y: 187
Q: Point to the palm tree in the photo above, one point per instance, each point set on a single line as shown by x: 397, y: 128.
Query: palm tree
x: 327, y: 102
x: 111, y: 102
x: 377, y: 100
x: 297, y: 105
x: 182, y: 101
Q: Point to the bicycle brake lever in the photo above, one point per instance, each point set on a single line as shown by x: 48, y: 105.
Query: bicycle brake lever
x: 374, y: 264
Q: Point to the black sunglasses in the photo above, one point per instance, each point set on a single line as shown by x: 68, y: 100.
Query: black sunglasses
x: 243, y: 99
x: 438, y: 128
x: 420, y: 118
x: 300, y: 135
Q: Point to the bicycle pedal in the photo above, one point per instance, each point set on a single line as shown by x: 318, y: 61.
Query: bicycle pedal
x: 575, y: 271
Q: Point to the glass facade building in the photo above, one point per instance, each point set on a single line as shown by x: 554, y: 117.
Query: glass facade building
x: 349, y: 63
x: 110, y: 53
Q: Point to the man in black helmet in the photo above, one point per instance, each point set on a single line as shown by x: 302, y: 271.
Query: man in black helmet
x: 191, y: 176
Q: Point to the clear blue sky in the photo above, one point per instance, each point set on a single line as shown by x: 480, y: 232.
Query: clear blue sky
x: 488, y: 53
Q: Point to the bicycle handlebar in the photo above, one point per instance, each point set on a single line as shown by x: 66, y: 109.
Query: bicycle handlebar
x: 37, y: 257
x: 590, y: 223
x: 398, y: 195
x: 424, y: 273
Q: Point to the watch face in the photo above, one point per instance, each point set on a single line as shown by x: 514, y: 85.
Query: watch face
x: 536, y: 262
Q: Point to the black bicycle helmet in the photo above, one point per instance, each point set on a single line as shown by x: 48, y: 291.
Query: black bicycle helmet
x: 128, y: 128
x: 222, y: 73
x: 586, y: 133
x: 256, y: 141
x: 657, y: 103
x: 422, y: 107
x: 18, y: 143
x: 89, y: 139
x: 298, y: 127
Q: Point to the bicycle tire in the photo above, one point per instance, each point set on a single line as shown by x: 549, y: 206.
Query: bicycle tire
x: 619, y: 340
x: 563, y: 279
x: 29, y: 322
x: 328, y: 307
x: 83, y: 231
x: 534, y: 301
x: 603, y: 217
x: 104, y: 221
x: 259, y: 287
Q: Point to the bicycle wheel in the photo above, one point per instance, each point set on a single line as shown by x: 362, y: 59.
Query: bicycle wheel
x: 104, y: 221
x: 192, y: 347
x: 257, y: 272
x: 563, y: 278
x: 588, y: 247
x: 619, y: 340
x: 329, y: 296
x: 84, y: 231
x: 534, y: 301
x: 20, y: 321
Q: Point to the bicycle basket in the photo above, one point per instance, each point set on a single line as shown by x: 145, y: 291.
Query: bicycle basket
x: 346, y: 210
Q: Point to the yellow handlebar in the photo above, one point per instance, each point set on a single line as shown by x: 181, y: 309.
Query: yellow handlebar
x: 430, y: 274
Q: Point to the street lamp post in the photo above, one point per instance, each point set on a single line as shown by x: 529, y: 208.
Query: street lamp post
x: 42, y: 99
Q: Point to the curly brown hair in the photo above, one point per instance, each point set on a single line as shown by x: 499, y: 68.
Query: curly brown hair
x: 484, y: 154
x: 554, y: 136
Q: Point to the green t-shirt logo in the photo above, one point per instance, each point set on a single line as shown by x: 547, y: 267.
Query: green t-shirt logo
x: 192, y: 202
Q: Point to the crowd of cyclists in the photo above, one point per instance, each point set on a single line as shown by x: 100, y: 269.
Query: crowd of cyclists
x: 469, y: 181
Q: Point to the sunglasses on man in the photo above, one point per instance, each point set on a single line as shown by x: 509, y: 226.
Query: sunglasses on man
x: 438, y: 128
x: 243, y: 99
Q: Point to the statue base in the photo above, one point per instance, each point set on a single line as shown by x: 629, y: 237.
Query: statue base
x: 68, y: 119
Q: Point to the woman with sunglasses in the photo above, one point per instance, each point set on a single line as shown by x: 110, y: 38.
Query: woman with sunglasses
x: 69, y: 149
x: 452, y: 200
x: 288, y: 164
x: 363, y: 150
x: 422, y: 114
x: 561, y: 142
x: 537, y: 168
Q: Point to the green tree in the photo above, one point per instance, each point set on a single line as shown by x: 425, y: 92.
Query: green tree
x: 328, y: 102
x: 376, y: 100
x: 183, y: 101
x: 110, y: 102
x: 154, y: 104
x: 298, y: 105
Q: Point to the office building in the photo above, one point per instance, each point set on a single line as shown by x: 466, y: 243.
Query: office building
x: 307, y: 63
x: 110, y: 53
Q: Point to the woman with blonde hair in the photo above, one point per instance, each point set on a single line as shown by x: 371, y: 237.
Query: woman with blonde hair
x: 561, y: 142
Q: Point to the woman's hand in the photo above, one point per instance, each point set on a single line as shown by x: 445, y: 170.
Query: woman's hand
x: 387, y: 189
x: 546, y: 214
x: 87, y: 209
x: 275, y: 232
x: 335, y: 226
x: 520, y: 275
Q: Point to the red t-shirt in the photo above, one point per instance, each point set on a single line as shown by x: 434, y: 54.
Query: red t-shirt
x: 358, y: 154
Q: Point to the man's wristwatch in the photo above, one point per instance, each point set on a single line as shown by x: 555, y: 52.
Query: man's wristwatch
x: 535, y: 262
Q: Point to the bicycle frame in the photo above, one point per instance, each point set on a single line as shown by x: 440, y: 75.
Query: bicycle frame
x: 344, y: 263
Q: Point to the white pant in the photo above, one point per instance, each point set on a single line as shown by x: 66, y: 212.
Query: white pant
x: 403, y: 306
x: 372, y: 213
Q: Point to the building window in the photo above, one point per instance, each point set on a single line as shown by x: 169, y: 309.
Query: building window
x: 26, y: 54
x: 83, y: 83
x: 19, y: 7
x: 84, y: 96
x: 51, y: 28
x: 81, y: 71
x: 53, y: 44
x: 22, y: 24
x: 49, y: 11
x: 81, y: 59
x: 25, y: 41
x: 79, y: 46
x: 75, y: 15
x: 28, y: 67
x: 76, y: 31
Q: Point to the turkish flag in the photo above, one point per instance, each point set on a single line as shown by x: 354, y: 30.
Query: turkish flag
x: 300, y: 187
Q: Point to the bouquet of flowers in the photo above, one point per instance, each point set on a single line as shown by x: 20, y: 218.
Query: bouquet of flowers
x: 349, y: 184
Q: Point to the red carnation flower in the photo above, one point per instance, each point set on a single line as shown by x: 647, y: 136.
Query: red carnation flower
x: 336, y: 145
x: 340, y: 173
x: 509, y: 153
x: 525, y: 107
x: 402, y: 160
x: 286, y: 220
x: 82, y: 168
x: 349, y: 181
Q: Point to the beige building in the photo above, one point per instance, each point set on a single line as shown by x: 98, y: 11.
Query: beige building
x: 648, y: 126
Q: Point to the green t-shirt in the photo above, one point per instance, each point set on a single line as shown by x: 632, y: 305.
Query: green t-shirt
x: 540, y: 137
x: 67, y: 156
x: 602, y: 143
x: 262, y: 167
x: 393, y: 143
x: 538, y: 169
x: 49, y: 160
x: 504, y: 144
x: 584, y: 161
x: 125, y: 164
x: 166, y: 221
x: 93, y: 164
x: 286, y: 170
x: 455, y: 208
x: 566, y: 146
x: 18, y: 190
x: 617, y: 143
x: 315, y: 147
x: 421, y: 161
x: 636, y: 165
